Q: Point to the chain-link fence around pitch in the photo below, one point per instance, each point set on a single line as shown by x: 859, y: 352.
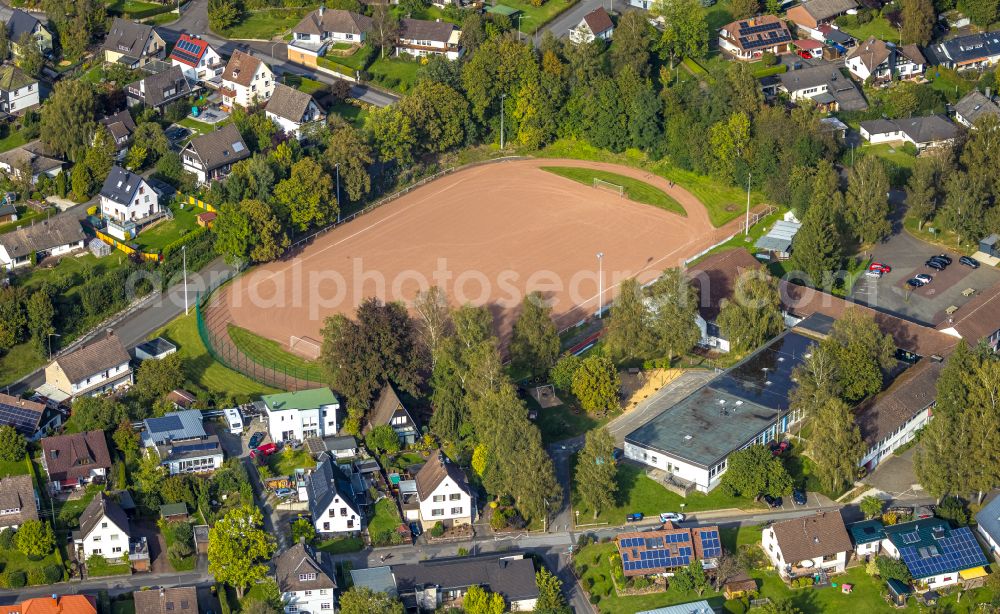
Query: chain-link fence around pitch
x: 213, y: 328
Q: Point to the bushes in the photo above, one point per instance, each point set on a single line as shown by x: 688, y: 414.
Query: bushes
x: 14, y: 579
x: 36, y: 576
x: 438, y: 529
x: 53, y: 574
x: 390, y: 537
x: 802, y: 582
x: 7, y: 539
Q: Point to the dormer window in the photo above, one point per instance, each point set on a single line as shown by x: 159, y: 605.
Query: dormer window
x: 307, y: 576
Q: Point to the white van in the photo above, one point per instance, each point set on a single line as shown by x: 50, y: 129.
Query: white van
x: 235, y: 420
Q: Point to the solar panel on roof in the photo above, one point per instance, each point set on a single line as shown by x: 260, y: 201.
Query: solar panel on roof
x: 21, y: 418
x: 166, y: 423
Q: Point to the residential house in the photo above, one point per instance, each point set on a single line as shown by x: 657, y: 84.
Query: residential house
x: 106, y: 532
x: 344, y: 446
x: 127, y: 203
x: 75, y: 460
x: 58, y: 235
x: 749, y: 39
x: 322, y: 27
x: 715, y: 278
x: 893, y: 418
x: 444, y: 493
x: 664, y: 550
x: 179, y: 440
x: 159, y: 89
x: 595, y: 25
x: 421, y: 38
x: 431, y: 584
x: 923, y: 132
x: 808, y: 545
x: 332, y: 501
x: 975, y: 105
x: 211, y: 156
x: 825, y: 86
x: 304, y: 581
x: 246, y: 81
x: 867, y: 537
x: 33, y: 157
x: 811, y: 14
x: 177, y: 600
x: 936, y: 554
x: 292, y: 109
x: 21, y: 23
x: 691, y: 439
x: 883, y: 61
x: 972, y: 51
x: 297, y: 416
x: 988, y: 521
x: 390, y: 410
x: 122, y: 127
x: 133, y: 44
x: 56, y: 604
x: 99, y: 367
x: 18, y: 91
x: 198, y: 60
x: 29, y: 418
x: 18, y: 501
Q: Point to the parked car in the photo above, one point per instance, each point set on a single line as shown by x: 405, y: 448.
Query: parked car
x: 874, y: 273
x: 772, y: 501
x: 943, y: 257
x: 281, y: 493
x: 924, y: 277
x: 780, y: 447
x: 969, y: 261
x: 880, y: 266
x: 255, y: 440
x: 937, y: 265
x: 263, y: 451
x: 415, y: 529
x: 799, y: 496
x: 636, y: 517
x: 671, y: 517
x: 914, y: 283
x: 805, y: 55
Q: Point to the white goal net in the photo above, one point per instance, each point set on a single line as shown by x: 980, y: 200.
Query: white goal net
x: 607, y: 185
x: 305, y: 347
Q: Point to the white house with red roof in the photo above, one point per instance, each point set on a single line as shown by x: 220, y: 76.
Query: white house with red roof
x: 595, y: 24
x: 197, y: 59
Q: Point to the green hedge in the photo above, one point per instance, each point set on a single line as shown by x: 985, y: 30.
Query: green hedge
x: 770, y: 70
x: 151, y: 12
x: 695, y: 67
x: 172, y: 247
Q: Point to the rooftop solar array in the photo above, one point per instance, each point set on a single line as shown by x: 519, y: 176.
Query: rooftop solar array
x: 746, y: 28
x: 187, y: 50
x: 200, y: 446
x: 24, y: 420
x: 711, y: 546
x: 166, y: 423
x: 653, y: 559
x: 773, y: 38
x: 958, y: 551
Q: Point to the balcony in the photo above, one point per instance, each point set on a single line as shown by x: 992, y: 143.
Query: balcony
x: 138, y: 550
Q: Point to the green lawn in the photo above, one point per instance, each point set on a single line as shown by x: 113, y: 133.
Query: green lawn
x: 879, y: 27
x: 723, y: 202
x: 947, y: 239
x: 8, y: 468
x: 341, y: 545
x: 130, y: 6
x: 563, y: 421
x: 19, y: 361
x: 285, y: 463
x: 311, y: 87
x: 386, y: 517
x: 68, y: 512
x: 354, y: 114
x: 201, y: 370
x: 16, y: 138
x: 99, y: 566
x: 803, y: 471
x: 12, y: 560
x: 157, y: 237
x: 394, y: 73
x: 639, y: 191
x: 187, y: 563
x: 949, y: 82
x: 198, y: 127
x: 638, y: 493
x: 271, y: 354
x: 534, y: 17
x: 267, y: 23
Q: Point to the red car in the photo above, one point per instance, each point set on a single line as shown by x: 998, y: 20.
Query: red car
x: 880, y: 266
x: 805, y: 55
x: 264, y: 451
x: 779, y: 447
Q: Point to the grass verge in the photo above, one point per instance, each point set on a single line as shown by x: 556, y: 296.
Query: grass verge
x: 394, y: 73
x: 639, y: 191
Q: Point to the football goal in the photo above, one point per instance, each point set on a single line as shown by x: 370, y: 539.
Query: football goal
x: 607, y: 185
x: 305, y: 347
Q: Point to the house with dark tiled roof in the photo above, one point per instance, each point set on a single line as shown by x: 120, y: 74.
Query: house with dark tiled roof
x: 936, y: 554
x: 211, y: 156
x: 893, y: 418
x: 421, y: 38
x: 105, y: 531
x: 33, y: 157
x: 808, y: 545
x: 95, y: 368
x: 825, y: 86
x: 246, y: 81
x: 431, y: 584
x: 975, y: 105
x: 56, y: 236
x: 332, y: 500
x: 881, y: 61
x: 715, y: 279
x: 305, y: 580
x: 198, y: 60
x: 867, y: 537
x: 127, y: 201
x: 18, y: 91
x: 18, y: 501
x: 595, y: 25
x: 922, y: 132
x: 177, y: 600
x: 133, y: 44
x: 322, y: 27
x: 811, y: 15
x: 76, y: 459
x: 749, y: 39
x: 969, y: 52
x: 21, y: 23
x: 159, y: 89
x: 121, y: 126
x: 29, y: 418
x: 389, y: 409
x: 292, y: 109
x: 444, y: 494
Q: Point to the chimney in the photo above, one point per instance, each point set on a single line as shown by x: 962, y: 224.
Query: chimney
x: 110, y: 333
x: 322, y: 9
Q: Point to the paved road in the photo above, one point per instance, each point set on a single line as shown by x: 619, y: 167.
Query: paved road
x: 114, y: 586
x: 194, y: 20
x: 561, y: 25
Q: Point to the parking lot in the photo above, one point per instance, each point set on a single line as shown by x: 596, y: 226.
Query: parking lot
x: 927, y: 305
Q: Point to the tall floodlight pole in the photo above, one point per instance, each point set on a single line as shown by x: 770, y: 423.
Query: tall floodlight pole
x: 502, y: 97
x: 600, y: 284
x: 185, y: 260
x: 339, y: 207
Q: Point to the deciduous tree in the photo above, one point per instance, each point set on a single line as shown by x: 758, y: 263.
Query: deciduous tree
x: 596, y: 472
x: 30, y: 58
x: 98, y: 413
x: 101, y: 155
x: 817, y: 249
x: 632, y: 42
x: 534, y: 345
x: 627, y: 330
x: 239, y: 548
x: 835, y: 445
x: 68, y: 118
x: 348, y: 148
x: 550, y: 596
x: 156, y: 378
x: 863, y: 353
x: 480, y: 601
x: 918, y: 21
x: 12, y: 445
x: 562, y: 373
x: 35, y: 539
x: 922, y: 194
x: 385, y: 29
x: 223, y: 14
x: 393, y: 134
x: 966, y: 198
x: 596, y: 384
x: 362, y: 600
x: 685, y: 29
x: 675, y: 306
x: 307, y: 195
x: 753, y: 471
x: 438, y: 115
x: 868, y: 200
x: 382, y: 439
x: 741, y: 9
x: 753, y: 315
x: 40, y: 313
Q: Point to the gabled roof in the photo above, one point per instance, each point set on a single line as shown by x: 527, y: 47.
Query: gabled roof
x: 121, y: 185
x: 378, y: 579
x: 930, y: 547
x: 297, y: 569
x: 822, y: 534
x: 670, y: 547
x: 13, y: 78
x: 241, y: 68
x: 34, y: 155
x: 189, y: 50
x: 913, y: 391
x: 419, y: 29
x: 24, y: 415
x: 69, y: 457
x: 510, y: 573
x: 127, y: 37
x: 989, y: 519
x: 965, y: 49
x: 929, y: 129
x: 825, y: 9
x: 288, y: 103
x: 103, y: 354
x: 173, y: 426
x: 162, y: 87
x: 62, y: 229
x: 17, y: 492
x: 434, y: 471
x: 62, y: 604
x: 326, y: 482
x: 872, y: 52
x: 322, y: 21
x: 219, y: 148
x: 978, y: 319
x: 121, y: 125
x: 866, y: 532
x: 598, y: 21
x: 715, y: 278
x: 912, y: 53
x: 179, y: 600
x: 974, y: 105
x: 21, y: 23
x: 388, y: 403
x: 102, y: 506
x: 764, y: 31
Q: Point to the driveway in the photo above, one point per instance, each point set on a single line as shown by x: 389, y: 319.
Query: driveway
x: 158, y: 561
x: 895, y: 476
